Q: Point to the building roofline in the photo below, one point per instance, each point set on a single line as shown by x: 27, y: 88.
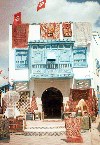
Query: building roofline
x: 50, y: 41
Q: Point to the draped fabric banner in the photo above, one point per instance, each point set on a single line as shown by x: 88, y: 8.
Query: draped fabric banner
x: 20, y: 36
x: 82, y: 32
x: 66, y: 29
x: 50, y: 30
x: 73, y: 130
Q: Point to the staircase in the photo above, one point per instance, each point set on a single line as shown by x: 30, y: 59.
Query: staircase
x: 48, y: 127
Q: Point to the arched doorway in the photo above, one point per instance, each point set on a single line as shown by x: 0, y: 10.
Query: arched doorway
x: 52, y: 101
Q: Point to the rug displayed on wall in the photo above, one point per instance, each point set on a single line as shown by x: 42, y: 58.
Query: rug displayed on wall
x: 20, y: 36
x: 66, y: 29
x: 23, y: 104
x: 77, y: 94
x: 50, y: 30
x: 82, y: 32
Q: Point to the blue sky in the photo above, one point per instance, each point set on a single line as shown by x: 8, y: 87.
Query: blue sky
x: 55, y: 11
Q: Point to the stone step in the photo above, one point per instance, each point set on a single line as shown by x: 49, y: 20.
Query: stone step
x: 46, y: 127
x: 41, y: 128
x: 45, y: 130
x: 44, y: 133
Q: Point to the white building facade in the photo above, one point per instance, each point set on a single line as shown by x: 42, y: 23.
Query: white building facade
x: 64, y: 63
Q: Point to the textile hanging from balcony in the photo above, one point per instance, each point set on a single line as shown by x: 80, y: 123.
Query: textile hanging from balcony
x: 66, y: 29
x: 73, y: 130
x: 82, y: 33
x: 50, y: 30
x: 20, y: 36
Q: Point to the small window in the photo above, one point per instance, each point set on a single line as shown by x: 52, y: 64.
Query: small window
x: 21, y: 59
x: 47, y: 46
x: 54, y: 46
x: 40, y: 46
x: 61, y: 45
x: 34, y: 46
x: 80, y: 57
x: 67, y: 45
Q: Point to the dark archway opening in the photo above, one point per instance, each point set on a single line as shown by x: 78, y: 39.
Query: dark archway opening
x: 52, y: 100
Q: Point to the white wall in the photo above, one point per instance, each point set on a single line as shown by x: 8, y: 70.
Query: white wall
x: 34, y: 32
x: 95, y: 46
x: 81, y: 73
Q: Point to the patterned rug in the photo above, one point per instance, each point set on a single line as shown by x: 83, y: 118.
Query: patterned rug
x: 73, y: 130
x: 4, y: 130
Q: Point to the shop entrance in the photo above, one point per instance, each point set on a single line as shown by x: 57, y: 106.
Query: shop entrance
x: 52, y: 101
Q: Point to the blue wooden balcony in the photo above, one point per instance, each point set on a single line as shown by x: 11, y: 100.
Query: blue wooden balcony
x: 52, y: 70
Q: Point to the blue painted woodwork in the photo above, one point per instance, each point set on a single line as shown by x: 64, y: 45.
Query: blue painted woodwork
x: 51, y: 59
x: 80, y: 57
x: 21, y: 58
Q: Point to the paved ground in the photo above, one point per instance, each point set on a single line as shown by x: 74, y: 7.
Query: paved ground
x: 89, y: 137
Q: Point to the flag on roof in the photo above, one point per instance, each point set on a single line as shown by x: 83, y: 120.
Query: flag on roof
x: 41, y: 5
x: 17, y: 19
